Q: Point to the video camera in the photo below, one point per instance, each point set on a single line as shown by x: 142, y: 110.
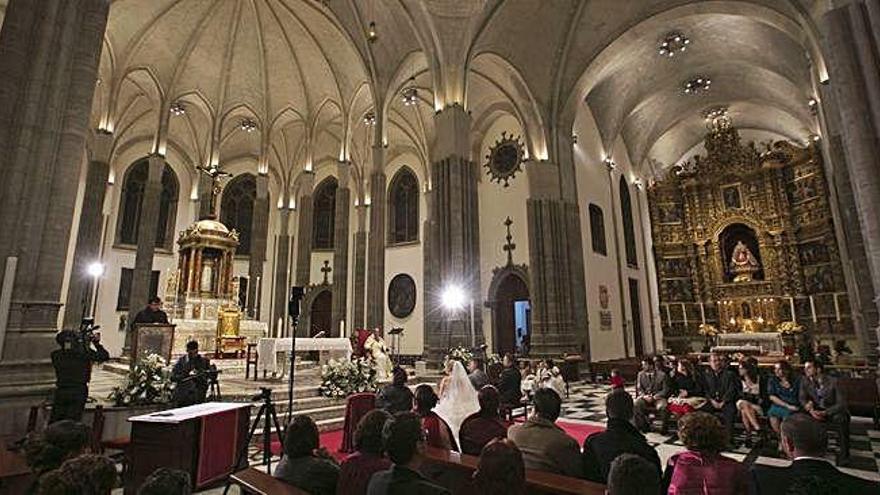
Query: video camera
x: 265, y: 395
x: 87, y: 328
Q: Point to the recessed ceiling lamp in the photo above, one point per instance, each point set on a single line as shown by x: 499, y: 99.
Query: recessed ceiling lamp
x: 370, y: 118
x: 713, y: 113
x: 248, y: 125
x: 177, y: 109
x: 673, y: 43
x: 372, y: 35
x: 697, y: 85
x: 410, y: 94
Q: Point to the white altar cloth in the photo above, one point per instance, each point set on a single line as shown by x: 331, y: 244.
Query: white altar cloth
x: 268, y: 349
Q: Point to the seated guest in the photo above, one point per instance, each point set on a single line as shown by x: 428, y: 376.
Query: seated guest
x: 483, y: 426
x: 190, y: 374
x: 60, y: 441
x: 783, y: 390
x: 476, y: 375
x: 509, y: 382
x: 438, y: 433
x: 721, y: 387
x: 632, y: 475
x: 395, y: 397
x: 701, y: 469
x: 305, y: 465
x: 616, y: 381
x: 165, y: 481
x: 822, y: 399
x: 686, y: 393
x: 83, y: 475
x: 749, y: 406
x: 551, y: 377
x: 500, y: 470
x: 619, y: 437
x: 652, y: 390
x: 357, y: 469
x: 545, y: 446
x: 805, y: 441
x: 404, y: 442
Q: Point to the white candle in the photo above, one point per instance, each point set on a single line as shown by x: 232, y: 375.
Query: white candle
x: 342, y: 328
x: 702, y: 313
x: 685, y: 313
x: 278, y: 328
x: 813, y: 308
x: 836, y: 307
x: 791, y: 305
x: 668, y: 316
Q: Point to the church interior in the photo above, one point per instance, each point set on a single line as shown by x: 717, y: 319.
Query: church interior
x: 296, y: 185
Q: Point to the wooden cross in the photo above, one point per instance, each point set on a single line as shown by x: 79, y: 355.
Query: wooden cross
x: 509, y: 247
x: 326, y: 270
x: 214, y: 172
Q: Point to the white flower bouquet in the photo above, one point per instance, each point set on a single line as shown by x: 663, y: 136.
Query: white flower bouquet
x: 459, y: 353
x: 147, y: 382
x: 340, y: 378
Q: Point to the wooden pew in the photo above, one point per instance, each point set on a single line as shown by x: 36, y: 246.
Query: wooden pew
x: 254, y: 481
x: 454, y: 471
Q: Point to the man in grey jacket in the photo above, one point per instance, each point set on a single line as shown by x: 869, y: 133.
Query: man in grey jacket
x: 822, y: 399
x: 652, y: 389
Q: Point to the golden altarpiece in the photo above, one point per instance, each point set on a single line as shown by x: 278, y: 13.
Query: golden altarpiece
x: 744, y: 240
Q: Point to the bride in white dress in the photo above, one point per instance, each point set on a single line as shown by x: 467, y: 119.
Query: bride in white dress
x: 458, y: 399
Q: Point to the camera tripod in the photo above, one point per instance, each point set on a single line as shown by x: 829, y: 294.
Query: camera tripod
x: 270, y: 419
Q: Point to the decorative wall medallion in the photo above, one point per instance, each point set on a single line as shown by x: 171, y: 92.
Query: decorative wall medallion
x: 505, y: 159
x: 401, y: 295
x: 603, y: 296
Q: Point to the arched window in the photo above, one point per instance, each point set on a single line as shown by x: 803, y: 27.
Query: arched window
x: 403, y: 211
x: 131, y: 203
x: 237, y: 209
x: 597, y: 230
x: 324, y: 214
x: 629, y: 234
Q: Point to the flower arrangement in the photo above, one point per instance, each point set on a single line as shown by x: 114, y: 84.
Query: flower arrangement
x: 789, y: 328
x: 148, y: 382
x: 708, y: 330
x: 493, y: 359
x: 459, y: 353
x: 340, y: 378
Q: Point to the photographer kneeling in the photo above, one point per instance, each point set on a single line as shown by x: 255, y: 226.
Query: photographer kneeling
x: 73, y: 370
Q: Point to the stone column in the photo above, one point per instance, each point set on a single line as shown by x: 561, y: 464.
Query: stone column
x: 376, y: 260
x: 89, y: 234
x: 455, y: 233
x: 360, y: 268
x: 340, y: 250
x: 259, y: 237
x: 616, y: 214
x: 282, y: 287
x: 304, y: 230
x: 49, y: 55
x: 850, y: 38
x: 146, y: 241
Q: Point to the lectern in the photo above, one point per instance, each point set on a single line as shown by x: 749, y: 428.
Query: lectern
x: 204, y: 440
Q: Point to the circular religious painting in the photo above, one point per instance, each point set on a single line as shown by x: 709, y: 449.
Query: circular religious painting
x: 401, y: 295
x: 505, y: 159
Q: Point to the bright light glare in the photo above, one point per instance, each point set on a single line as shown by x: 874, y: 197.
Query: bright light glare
x: 453, y: 297
x: 95, y: 269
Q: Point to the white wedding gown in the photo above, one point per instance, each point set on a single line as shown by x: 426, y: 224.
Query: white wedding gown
x: 459, y: 400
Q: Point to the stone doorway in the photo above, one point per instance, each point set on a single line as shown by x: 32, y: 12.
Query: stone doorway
x: 511, y: 312
x: 320, y: 314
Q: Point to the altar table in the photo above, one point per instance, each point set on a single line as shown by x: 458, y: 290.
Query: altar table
x: 268, y: 349
x: 204, y: 440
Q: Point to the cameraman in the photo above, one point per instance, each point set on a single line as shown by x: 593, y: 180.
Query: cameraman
x: 73, y: 370
x: 190, y: 373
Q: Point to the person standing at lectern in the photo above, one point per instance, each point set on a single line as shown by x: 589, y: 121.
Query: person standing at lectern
x: 73, y: 371
x: 152, y: 313
x: 190, y: 373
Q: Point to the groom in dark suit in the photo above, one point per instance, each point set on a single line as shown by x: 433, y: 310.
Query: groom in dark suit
x: 805, y: 442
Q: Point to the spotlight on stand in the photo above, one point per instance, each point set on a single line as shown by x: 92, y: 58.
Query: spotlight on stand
x: 453, y: 297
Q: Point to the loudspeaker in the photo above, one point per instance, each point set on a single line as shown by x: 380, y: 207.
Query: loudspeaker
x: 296, y: 295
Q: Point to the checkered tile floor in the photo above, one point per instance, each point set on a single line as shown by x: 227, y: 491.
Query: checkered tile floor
x: 587, y: 403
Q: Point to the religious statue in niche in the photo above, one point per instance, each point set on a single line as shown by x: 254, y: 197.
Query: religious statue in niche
x: 803, y: 189
x: 819, y: 279
x: 743, y: 264
x: 675, y: 267
x: 505, y: 159
x: 732, y: 198
x: 401, y: 295
x: 669, y: 213
x: 814, y: 252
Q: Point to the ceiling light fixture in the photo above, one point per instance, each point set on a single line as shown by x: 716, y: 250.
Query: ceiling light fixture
x: 372, y: 35
x: 248, y: 125
x: 609, y: 163
x: 370, y: 118
x: 697, y: 85
x: 177, y: 109
x: 673, y: 43
x: 410, y: 94
x: 713, y: 113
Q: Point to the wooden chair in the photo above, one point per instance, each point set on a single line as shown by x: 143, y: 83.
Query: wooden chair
x: 356, y: 407
x: 250, y: 361
x: 254, y: 481
x: 100, y: 446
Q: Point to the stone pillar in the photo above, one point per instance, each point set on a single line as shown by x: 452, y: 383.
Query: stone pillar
x: 304, y: 230
x: 89, y: 234
x: 376, y: 260
x: 146, y: 241
x: 340, y: 251
x: 455, y: 233
x: 553, y: 304
x: 282, y: 287
x: 616, y: 214
x: 259, y: 237
x: 849, y: 34
x: 49, y: 55
x: 360, y: 269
